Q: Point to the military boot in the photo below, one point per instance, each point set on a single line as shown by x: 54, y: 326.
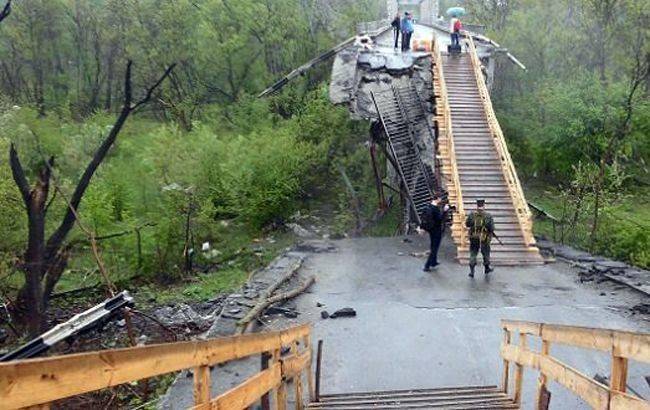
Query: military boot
x: 471, y: 271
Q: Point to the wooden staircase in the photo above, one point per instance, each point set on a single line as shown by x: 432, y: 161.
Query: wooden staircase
x: 476, y: 162
x: 457, y: 398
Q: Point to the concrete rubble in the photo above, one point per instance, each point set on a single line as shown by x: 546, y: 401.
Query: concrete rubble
x: 599, y: 268
x: 224, y: 322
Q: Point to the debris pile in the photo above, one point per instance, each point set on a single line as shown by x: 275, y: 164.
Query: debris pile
x: 598, y: 268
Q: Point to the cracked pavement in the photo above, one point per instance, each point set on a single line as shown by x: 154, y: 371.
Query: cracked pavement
x: 419, y: 330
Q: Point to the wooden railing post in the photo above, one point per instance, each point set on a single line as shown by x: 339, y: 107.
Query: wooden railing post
x: 280, y: 394
x: 505, y: 380
x: 618, y: 380
x: 519, y: 371
x: 310, y: 374
x: 541, y: 382
x: 264, y: 364
x: 201, y: 385
x: 297, y: 381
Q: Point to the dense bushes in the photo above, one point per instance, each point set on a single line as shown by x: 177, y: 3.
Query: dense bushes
x: 259, y: 177
x: 161, y: 186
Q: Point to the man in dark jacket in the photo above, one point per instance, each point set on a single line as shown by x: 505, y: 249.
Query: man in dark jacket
x: 397, y: 27
x: 432, y: 222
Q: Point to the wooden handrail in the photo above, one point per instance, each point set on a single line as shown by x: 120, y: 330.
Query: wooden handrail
x: 629, y: 345
x: 34, y: 382
x: 621, y: 344
x: 449, y: 139
x: 524, y: 215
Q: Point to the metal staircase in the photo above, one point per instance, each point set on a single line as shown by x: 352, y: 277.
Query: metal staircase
x: 399, y: 110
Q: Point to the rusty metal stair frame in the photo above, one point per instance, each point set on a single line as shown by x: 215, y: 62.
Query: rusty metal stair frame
x: 402, y: 143
x: 421, y: 180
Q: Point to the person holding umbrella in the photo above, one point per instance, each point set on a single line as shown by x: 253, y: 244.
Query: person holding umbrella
x: 455, y: 25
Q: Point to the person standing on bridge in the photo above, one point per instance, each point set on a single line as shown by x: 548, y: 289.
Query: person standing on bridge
x: 481, y: 229
x: 455, y: 26
x: 432, y: 222
x: 396, y: 24
x: 407, y: 31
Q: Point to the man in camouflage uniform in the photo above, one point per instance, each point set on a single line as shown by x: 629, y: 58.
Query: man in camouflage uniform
x: 481, y: 229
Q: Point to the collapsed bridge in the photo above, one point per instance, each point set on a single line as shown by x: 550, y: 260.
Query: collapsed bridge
x: 434, y: 121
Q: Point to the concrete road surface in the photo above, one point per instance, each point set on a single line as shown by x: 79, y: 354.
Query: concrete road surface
x: 417, y: 330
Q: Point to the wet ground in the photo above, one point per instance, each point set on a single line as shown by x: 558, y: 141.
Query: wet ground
x: 416, y: 329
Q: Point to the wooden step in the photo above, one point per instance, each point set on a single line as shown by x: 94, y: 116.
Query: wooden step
x: 471, y: 397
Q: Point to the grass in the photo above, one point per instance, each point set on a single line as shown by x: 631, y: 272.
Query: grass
x: 243, y: 254
x: 387, y: 224
x: 624, y: 231
x: 241, y: 251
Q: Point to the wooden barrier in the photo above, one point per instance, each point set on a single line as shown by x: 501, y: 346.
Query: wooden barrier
x: 622, y: 345
x: 447, y: 147
x: 524, y: 215
x: 33, y: 382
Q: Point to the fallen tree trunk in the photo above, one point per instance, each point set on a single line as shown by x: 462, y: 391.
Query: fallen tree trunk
x: 265, y: 303
x: 288, y: 275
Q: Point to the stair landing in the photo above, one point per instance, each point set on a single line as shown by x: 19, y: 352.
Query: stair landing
x: 456, y: 398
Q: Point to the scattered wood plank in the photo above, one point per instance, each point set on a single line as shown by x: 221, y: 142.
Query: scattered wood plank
x: 269, y: 300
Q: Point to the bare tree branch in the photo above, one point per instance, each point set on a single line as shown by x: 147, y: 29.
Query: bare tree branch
x: 19, y: 174
x: 151, y: 89
x: 55, y: 241
x: 6, y: 10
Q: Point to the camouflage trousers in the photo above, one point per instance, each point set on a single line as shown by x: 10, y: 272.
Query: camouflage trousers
x: 474, y: 246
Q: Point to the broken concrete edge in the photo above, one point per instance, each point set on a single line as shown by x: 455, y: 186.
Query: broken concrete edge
x: 235, y: 308
x: 591, y: 265
x: 225, y: 323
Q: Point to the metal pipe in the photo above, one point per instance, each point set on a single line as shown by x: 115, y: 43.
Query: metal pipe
x: 319, y: 358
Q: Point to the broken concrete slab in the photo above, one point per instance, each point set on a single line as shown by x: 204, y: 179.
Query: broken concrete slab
x: 345, y: 312
x: 315, y: 246
x: 598, y: 268
x: 235, y: 307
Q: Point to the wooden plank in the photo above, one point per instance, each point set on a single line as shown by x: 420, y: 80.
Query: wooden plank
x: 265, y: 360
x: 618, y: 381
x: 519, y: 371
x: 630, y: 345
x: 30, y: 382
x: 201, y: 385
x: 310, y: 373
x: 247, y: 393
x: 623, y: 401
x: 294, y: 364
x: 592, y: 392
x: 542, y: 392
x: 505, y: 379
x: 281, y: 402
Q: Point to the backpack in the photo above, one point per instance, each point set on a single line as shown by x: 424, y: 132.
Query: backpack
x: 457, y: 26
x: 428, y: 223
x: 478, y: 230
